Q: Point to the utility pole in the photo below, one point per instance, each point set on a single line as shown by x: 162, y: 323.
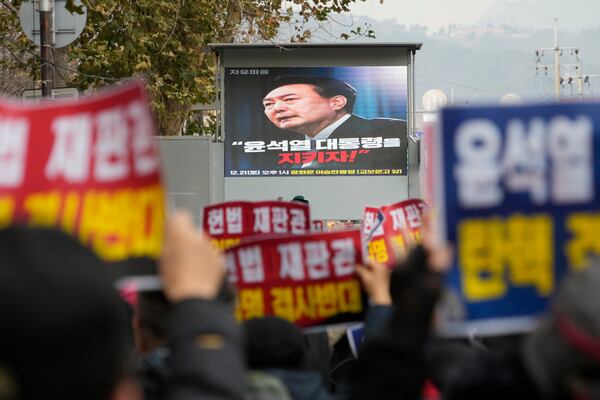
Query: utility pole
x: 559, y: 79
x: 48, y: 24
x: 45, y: 9
x: 557, y: 54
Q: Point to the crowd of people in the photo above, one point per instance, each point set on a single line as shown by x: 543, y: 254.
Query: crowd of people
x: 65, y: 333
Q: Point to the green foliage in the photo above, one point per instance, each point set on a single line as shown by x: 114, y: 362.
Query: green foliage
x: 74, y: 8
x: 203, y: 123
x: 164, y: 42
x: 159, y: 41
x: 18, y: 61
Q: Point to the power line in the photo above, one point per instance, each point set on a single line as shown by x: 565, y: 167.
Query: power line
x: 560, y: 79
x: 458, y: 84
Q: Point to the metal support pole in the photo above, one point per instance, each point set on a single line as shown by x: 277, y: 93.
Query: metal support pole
x: 579, y: 81
x: 556, y: 62
x: 45, y: 46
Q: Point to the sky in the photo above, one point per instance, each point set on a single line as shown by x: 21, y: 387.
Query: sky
x: 511, y: 66
x: 432, y: 13
x: 435, y: 14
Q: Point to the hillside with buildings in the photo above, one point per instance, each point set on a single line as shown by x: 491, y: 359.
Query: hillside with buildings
x: 483, y: 61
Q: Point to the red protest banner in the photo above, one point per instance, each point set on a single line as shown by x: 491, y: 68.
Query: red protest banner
x: 89, y: 167
x: 228, y: 223
x: 306, y: 279
x: 374, y: 236
x: 388, y: 240
x: 372, y: 225
x: 405, y: 216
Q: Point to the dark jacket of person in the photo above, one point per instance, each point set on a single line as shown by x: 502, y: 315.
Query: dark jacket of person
x: 558, y: 360
x: 206, y: 360
x: 494, y: 374
x: 302, y: 384
x: 277, y: 347
x: 342, y: 359
x: 153, y: 374
x: 391, y: 365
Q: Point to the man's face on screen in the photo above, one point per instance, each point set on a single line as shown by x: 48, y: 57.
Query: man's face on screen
x: 298, y: 107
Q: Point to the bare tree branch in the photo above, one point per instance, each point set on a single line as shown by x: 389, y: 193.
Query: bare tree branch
x: 10, y: 7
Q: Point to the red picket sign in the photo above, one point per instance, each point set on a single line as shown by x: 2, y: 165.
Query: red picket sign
x: 406, y: 217
x: 372, y: 225
x: 228, y: 223
x: 308, y: 280
x: 400, y: 228
x: 90, y: 167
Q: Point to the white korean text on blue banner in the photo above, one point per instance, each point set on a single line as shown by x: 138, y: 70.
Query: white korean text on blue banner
x: 518, y: 198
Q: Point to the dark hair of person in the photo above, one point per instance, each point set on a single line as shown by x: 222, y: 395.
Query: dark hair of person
x: 64, y: 328
x: 153, y: 312
x: 324, y: 86
x: 272, y: 342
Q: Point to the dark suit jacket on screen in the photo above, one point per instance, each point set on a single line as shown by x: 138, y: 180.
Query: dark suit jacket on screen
x: 382, y: 158
x: 357, y: 126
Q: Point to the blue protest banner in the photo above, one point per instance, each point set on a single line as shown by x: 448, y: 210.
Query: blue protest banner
x: 517, y: 194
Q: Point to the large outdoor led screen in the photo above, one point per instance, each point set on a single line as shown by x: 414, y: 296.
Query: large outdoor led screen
x: 315, y: 121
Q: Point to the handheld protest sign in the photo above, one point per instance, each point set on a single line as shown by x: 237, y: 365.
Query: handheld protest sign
x: 518, y: 191
x: 89, y: 167
x: 375, y: 244
x: 372, y: 224
x: 228, y: 223
x: 308, y: 280
x: 403, y: 222
x: 389, y: 231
